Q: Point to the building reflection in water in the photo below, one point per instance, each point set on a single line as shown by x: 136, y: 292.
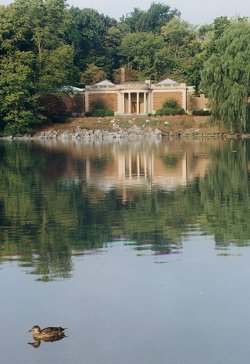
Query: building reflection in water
x: 166, y: 165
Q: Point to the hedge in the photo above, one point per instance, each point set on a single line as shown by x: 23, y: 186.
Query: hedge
x: 99, y: 112
x: 170, y: 111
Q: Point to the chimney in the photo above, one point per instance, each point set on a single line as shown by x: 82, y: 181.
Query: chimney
x: 123, y: 75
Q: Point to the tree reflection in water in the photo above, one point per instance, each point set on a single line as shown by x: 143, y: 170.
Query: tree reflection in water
x: 61, y: 200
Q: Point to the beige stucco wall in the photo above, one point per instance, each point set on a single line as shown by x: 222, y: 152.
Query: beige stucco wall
x: 158, y: 98
x: 110, y: 100
x: 197, y: 102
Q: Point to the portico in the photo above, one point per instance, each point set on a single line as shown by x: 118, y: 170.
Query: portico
x: 134, y: 102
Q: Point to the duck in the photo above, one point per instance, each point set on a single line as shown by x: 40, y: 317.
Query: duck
x: 48, y: 333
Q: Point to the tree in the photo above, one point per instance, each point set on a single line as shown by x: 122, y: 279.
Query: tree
x: 88, y: 32
x: 57, y: 68
x: 53, y: 107
x: 33, y: 57
x: 138, y: 49
x: 150, y: 20
x: 226, y: 76
x: 182, y: 49
x: 18, y: 107
x: 92, y: 75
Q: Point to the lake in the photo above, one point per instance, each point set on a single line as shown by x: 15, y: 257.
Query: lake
x: 141, y: 250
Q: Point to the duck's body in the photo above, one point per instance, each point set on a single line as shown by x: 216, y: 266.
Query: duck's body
x: 47, y: 333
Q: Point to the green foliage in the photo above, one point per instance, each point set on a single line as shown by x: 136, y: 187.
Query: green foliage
x: 170, y: 111
x: 18, y: 107
x: 89, y: 33
x: 45, y: 46
x: 150, y: 20
x: 33, y: 59
x: 139, y: 50
x: 201, y: 112
x: 99, y: 112
x: 97, y: 104
x: 92, y: 75
x: 169, y: 104
x: 227, y: 82
x: 56, y: 69
x: 182, y: 51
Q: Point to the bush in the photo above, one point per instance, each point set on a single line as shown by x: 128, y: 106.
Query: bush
x: 53, y: 108
x: 201, y: 112
x: 99, y: 112
x: 169, y: 104
x: 170, y: 111
x: 97, y: 105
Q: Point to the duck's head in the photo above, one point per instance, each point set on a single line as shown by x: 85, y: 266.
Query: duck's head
x: 35, y: 329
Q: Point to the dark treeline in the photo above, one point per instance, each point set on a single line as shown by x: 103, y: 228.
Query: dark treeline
x: 46, y: 45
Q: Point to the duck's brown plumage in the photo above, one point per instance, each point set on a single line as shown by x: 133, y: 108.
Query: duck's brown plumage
x: 47, y: 332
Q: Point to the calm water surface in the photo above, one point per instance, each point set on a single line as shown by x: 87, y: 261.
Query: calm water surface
x: 141, y: 250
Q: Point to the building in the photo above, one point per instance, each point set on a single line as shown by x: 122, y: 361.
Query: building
x: 139, y: 98
x: 136, y: 97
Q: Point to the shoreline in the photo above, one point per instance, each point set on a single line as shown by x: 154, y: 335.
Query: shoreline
x: 129, y: 129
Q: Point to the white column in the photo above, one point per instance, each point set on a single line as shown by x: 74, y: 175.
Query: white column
x: 145, y: 103
x: 184, y: 99
x: 86, y: 101
x: 137, y: 103
x: 129, y: 103
x: 123, y: 106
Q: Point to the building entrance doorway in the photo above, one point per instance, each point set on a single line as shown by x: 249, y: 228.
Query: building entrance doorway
x: 135, y: 103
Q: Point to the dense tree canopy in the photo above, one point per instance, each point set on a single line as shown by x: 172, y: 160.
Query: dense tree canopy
x: 34, y: 59
x: 45, y: 45
x: 150, y: 20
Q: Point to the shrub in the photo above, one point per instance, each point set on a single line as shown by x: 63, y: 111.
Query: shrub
x: 170, y: 111
x: 169, y: 104
x: 97, y: 104
x: 53, y: 108
x: 201, y: 112
x: 99, y: 112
